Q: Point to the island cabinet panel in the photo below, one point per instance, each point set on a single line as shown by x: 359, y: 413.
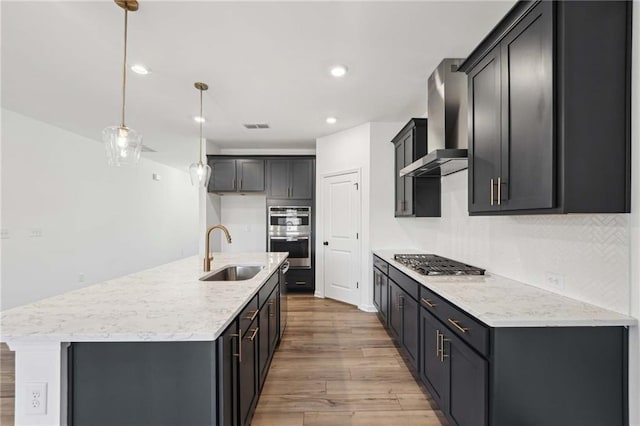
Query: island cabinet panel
x: 249, y: 374
x: 142, y: 383
x: 504, y: 376
x: 228, y: 358
x: 549, y: 110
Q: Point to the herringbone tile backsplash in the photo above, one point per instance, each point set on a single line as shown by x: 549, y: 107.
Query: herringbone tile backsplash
x: 590, y: 253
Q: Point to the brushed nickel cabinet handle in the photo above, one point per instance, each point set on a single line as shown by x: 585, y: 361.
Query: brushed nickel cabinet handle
x: 491, y: 191
x: 255, y: 333
x: 457, y: 325
x: 499, y: 190
x: 253, y: 315
x: 428, y: 302
x: 239, y: 336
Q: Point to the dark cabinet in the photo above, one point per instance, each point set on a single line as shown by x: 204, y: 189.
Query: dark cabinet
x: 228, y: 357
x: 236, y: 175
x: 248, y: 373
x: 263, y: 353
x: 269, y: 333
x: 290, y: 178
x: 273, y: 309
x: 549, y: 111
x: 414, y: 196
x: 456, y: 376
x: 403, y: 321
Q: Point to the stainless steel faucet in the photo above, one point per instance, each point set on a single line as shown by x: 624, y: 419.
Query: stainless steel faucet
x: 208, y: 257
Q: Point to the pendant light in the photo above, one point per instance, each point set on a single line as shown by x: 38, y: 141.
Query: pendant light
x: 122, y: 143
x: 200, y: 172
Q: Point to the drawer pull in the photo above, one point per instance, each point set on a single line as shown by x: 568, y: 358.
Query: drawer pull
x: 239, y: 336
x: 255, y: 333
x: 458, y: 326
x: 428, y: 302
x: 253, y: 315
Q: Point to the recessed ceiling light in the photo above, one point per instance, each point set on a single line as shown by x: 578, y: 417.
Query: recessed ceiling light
x: 338, y: 71
x: 331, y: 120
x: 140, y: 69
x: 199, y: 119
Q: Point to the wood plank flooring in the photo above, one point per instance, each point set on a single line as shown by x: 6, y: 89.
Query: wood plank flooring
x: 7, y: 385
x: 335, y: 366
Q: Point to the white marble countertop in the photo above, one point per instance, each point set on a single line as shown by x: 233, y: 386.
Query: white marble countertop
x: 501, y: 302
x: 165, y: 303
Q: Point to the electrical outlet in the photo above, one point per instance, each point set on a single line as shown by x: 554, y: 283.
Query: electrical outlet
x: 81, y: 277
x: 36, y: 398
x: 554, y: 280
x: 4, y: 234
x: 36, y: 233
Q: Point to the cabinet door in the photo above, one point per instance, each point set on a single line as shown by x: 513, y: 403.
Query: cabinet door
x: 468, y: 375
x: 223, y: 175
x: 528, y: 152
x: 400, y: 201
x: 410, y: 333
x: 272, y: 308
x: 250, y: 175
x: 263, y: 344
x: 278, y: 178
x: 409, y: 148
x: 484, y: 133
x: 434, y: 370
x: 248, y: 373
x: 301, y: 179
x: 377, y: 284
x: 395, y: 314
x: 384, y: 297
x: 228, y: 346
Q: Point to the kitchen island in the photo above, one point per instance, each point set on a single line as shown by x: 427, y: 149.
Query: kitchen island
x: 145, y: 321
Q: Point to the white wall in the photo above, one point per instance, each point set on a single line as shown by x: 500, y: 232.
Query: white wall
x: 246, y: 218
x: 342, y: 151
x: 95, y: 220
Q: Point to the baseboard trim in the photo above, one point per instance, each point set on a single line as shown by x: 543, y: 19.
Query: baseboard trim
x: 318, y: 295
x: 367, y: 308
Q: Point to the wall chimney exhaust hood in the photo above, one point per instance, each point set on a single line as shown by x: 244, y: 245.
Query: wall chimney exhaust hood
x: 447, y: 126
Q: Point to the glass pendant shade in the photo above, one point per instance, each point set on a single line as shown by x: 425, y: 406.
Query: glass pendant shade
x: 200, y: 174
x: 123, y: 146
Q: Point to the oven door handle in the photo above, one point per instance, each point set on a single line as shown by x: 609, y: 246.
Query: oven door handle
x: 292, y: 239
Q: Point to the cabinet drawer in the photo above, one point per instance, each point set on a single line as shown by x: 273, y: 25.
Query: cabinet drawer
x: 248, y: 314
x: 267, y: 288
x: 462, y: 324
x: 407, y: 284
x: 381, y: 265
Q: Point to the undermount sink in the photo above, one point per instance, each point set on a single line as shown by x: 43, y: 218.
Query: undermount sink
x: 233, y: 273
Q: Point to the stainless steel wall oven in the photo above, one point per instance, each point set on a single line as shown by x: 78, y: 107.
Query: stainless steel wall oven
x: 290, y: 231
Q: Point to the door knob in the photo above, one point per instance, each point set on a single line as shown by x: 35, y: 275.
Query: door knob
x: 326, y: 243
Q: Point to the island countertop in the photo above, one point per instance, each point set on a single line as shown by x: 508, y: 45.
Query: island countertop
x: 165, y: 303
x: 502, y: 302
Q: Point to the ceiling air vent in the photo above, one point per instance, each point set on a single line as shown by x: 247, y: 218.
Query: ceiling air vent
x: 257, y: 126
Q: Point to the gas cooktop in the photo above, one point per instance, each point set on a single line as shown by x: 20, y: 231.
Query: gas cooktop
x: 431, y: 264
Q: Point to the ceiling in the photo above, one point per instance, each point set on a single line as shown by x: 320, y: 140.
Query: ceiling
x: 265, y: 62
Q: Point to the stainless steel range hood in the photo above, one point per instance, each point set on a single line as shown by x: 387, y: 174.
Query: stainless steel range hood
x: 447, y: 125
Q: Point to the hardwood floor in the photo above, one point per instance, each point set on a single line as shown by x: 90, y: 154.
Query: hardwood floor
x: 335, y: 366
x: 7, y: 385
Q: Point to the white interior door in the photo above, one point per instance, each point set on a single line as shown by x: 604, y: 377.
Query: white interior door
x: 341, y: 227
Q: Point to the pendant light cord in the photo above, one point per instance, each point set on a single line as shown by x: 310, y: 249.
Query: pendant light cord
x: 124, y: 66
x: 201, y: 120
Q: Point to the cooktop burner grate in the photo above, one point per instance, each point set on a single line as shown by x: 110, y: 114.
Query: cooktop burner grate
x: 431, y: 264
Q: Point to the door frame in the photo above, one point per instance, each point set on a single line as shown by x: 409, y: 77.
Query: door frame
x: 320, y: 203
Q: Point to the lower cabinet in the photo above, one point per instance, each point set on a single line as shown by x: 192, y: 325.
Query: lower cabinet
x: 228, y: 358
x: 248, y: 376
x: 504, y: 376
x: 403, y: 320
x: 455, y: 375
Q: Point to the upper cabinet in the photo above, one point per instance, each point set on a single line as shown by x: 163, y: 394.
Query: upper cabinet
x: 236, y: 175
x: 415, y: 197
x: 549, y: 111
x: 290, y: 178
